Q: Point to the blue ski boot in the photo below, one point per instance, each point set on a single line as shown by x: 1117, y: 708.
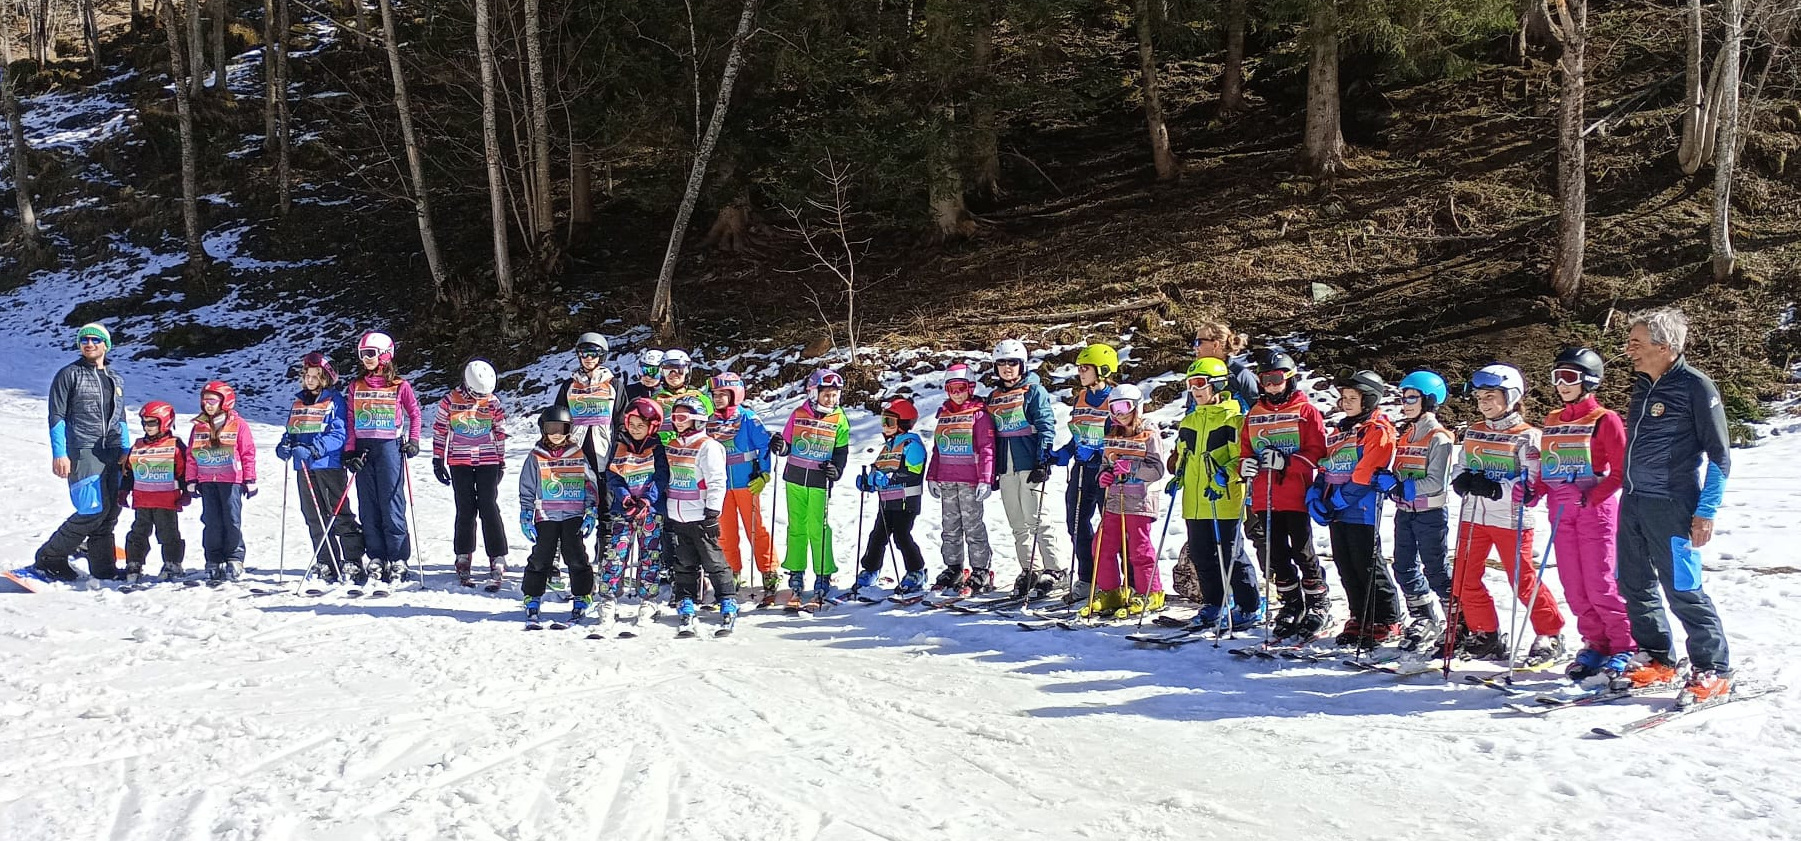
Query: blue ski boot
x: 1242, y: 621
x: 822, y: 588
x: 1207, y: 619
x: 532, y: 605
x: 1587, y: 664
x: 866, y: 578
x: 912, y: 582
x: 797, y: 585
x: 728, y: 617
x: 579, y: 610
x: 690, y: 618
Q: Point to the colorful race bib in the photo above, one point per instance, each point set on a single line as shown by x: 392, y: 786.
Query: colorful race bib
x: 375, y: 411
x: 815, y: 439
x: 1087, y: 424
x: 955, y: 437
x: 153, y: 466
x: 1566, y: 449
x: 1133, y: 447
x: 1008, y: 408
x: 308, y: 418
x: 217, y: 458
x: 1278, y: 429
x: 1411, y: 459
x: 1495, y: 454
x: 591, y: 404
x: 684, y: 467
x: 562, y: 482
x: 1341, y: 455
x: 636, y: 468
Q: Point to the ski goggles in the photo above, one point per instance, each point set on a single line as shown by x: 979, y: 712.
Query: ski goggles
x: 1215, y: 383
x: 1268, y: 378
x: 1122, y: 407
x: 369, y: 353
x: 652, y: 371
x: 554, y: 428
x: 1485, y: 379
x: 890, y: 420
x: 956, y: 387
x: 588, y: 352
x: 1567, y: 376
x: 1411, y: 399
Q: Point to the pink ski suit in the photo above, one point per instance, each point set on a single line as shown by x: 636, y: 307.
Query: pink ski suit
x: 1583, y: 451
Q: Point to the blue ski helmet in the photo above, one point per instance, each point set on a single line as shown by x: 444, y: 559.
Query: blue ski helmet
x: 1429, y: 384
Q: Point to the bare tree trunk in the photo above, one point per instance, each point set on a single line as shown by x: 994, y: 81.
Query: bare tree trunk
x: 219, y: 58
x: 542, y: 216
x: 1572, y: 159
x: 362, y: 18
x: 43, y: 36
x: 284, y: 120
x: 269, y: 83
x: 1695, y: 122
x: 1231, y: 82
x: 1161, y: 156
x: 90, y: 32
x: 434, y: 259
x: 28, y: 219
x: 581, y: 185
x: 944, y: 156
x: 1322, y: 152
x: 1535, y: 33
x: 196, y: 48
x: 985, y: 142
x: 184, y: 114
x: 497, y: 199
x: 6, y: 28
x: 662, y: 309
x: 1726, y: 147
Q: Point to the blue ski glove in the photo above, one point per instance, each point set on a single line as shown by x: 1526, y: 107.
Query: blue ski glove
x: 1316, y: 507
x: 528, y: 524
x: 1384, y: 481
x: 1062, y: 455
x: 880, y: 480
x: 862, y: 483
x: 590, y: 519
x: 1405, y: 491
x: 1212, y: 494
x: 1088, y: 453
x: 284, y: 449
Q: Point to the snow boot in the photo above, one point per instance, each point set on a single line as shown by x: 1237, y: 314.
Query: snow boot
x: 1546, y: 648
x: 1483, y: 645
x: 1049, y: 581
x: 1587, y: 664
x: 866, y: 578
x: 912, y: 582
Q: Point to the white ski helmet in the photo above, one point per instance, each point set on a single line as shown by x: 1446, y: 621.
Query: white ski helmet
x: 1125, y: 391
x: 592, y: 340
x: 650, y: 361
x: 1506, y: 378
x: 378, y: 342
x: 676, y: 359
x: 478, y: 377
x: 1011, y: 350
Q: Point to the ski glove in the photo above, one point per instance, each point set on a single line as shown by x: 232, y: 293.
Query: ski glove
x: 932, y: 488
x: 1061, y: 455
x: 410, y: 448
x: 880, y: 479
x: 832, y: 471
x: 1476, y: 484
x: 1405, y: 492
x: 249, y: 490
x: 353, y: 461
x: 1212, y: 494
x: 758, y: 483
x: 310, y: 452
x: 1040, y: 474
x: 285, y: 447
x: 528, y: 524
x: 590, y: 519
x: 1316, y: 506
x: 1124, y: 467
x: 1088, y: 453
x: 1274, y: 459
x: 862, y: 483
x: 441, y: 471
x: 1249, y: 468
x: 983, y: 489
x: 124, y: 497
x: 710, y: 524
x: 1384, y: 481
x: 1107, y: 478
x: 778, y: 446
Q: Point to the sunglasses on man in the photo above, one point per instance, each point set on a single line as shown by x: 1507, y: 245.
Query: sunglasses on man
x: 92, y: 340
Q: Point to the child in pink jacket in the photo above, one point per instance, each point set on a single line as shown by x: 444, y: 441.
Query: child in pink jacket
x: 221, y: 464
x: 961, y: 475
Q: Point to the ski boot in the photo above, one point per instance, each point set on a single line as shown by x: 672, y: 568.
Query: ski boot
x: 912, y: 582
x: 55, y: 569
x: 1483, y: 645
x: 357, y: 572
x: 497, y: 574
x: 1288, y: 616
x: 533, y: 605
x: 1546, y: 648
x: 1703, y: 687
x: 1376, y: 634
x: 465, y: 566
x: 771, y: 584
x: 1138, y: 605
x: 866, y: 578
x: 981, y: 580
x: 797, y: 588
x: 1614, y: 666
x: 606, y: 613
x: 578, y: 609
x: 728, y: 617
x: 689, y: 616
x: 1353, y: 628
x: 822, y: 589
x: 1207, y: 619
x: 1048, y: 581
x: 173, y: 572
x: 1317, y: 598
x: 950, y: 580
x: 1022, y: 583
x: 1105, y: 602
x: 1588, y: 663
x: 1423, y: 634
x: 397, y: 572
x: 1646, y: 670
x: 1242, y: 621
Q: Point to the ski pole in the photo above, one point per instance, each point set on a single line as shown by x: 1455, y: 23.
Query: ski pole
x: 412, y: 512
x: 281, y: 554
x: 1454, y: 615
x: 1032, y: 554
x: 1269, y: 560
x: 332, y: 549
x: 1219, y: 560
x: 329, y: 523
x: 1537, y: 583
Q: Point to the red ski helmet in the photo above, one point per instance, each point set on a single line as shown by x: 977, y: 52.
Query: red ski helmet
x: 647, y: 409
x: 901, y: 409
x: 162, y: 413
x: 228, y: 396
x: 318, y: 360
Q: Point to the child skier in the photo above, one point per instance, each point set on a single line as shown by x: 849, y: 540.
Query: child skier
x: 740, y: 430
x: 594, y: 399
x: 696, y: 499
x: 1134, y: 457
x: 897, y: 479
x: 637, y: 478
x: 816, y: 442
x: 1500, y: 461
x: 1205, y: 463
x: 650, y: 376
x: 313, y: 444
x: 1347, y: 500
x: 384, y: 428
x: 222, y: 473
x: 558, y: 496
x: 1284, y: 438
x: 674, y: 373
x: 1025, y: 426
x: 1423, y: 449
x: 469, y: 453
x: 1581, y: 468
x: 961, y: 474
x: 1095, y: 367
x: 155, y: 473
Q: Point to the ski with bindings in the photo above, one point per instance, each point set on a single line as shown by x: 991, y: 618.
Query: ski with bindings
x: 1660, y: 718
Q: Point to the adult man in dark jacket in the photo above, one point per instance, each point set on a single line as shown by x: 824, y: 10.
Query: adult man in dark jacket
x: 88, y: 436
x: 1674, y: 420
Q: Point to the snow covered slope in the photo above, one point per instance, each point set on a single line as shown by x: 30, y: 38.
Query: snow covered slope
x: 202, y: 714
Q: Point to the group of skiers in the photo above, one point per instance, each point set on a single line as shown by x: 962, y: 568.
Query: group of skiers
x: 670, y: 474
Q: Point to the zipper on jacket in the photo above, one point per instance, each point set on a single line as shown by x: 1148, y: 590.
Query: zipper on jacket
x: 1635, y: 425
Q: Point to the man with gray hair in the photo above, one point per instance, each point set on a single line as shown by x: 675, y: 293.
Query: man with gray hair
x: 1674, y: 421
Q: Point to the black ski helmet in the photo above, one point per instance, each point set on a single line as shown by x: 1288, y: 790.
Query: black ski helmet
x: 555, y: 414
x: 1370, y: 385
x: 1582, y: 359
x: 1275, y: 359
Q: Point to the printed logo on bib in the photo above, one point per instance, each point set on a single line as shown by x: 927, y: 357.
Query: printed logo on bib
x: 684, y: 471
x: 1565, y: 448
x: 591, y: 405
x: 1493, y: 454
x: 561, y: 480
x: 1087, y: 424
x: 1009, y: 411
x: 637, y: 469
x: 1281, y: 430
x: 217, y: 459
x: 956, y: 435
x: 471, y: 422
x: 153, y: 468
x: 375, y: 409
x: 1341, y: 453
x: 1132, y: 447
x: 814, y: 438
x: 305, y: 419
